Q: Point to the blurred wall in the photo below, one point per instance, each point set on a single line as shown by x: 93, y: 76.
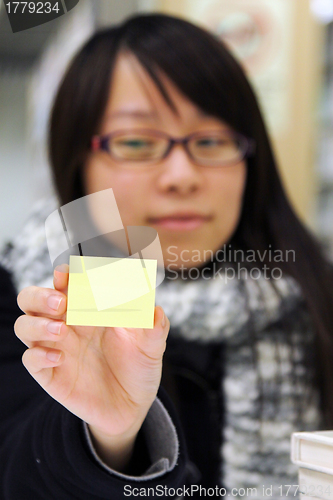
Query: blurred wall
x: 17, y: 184
x: 325, y: 146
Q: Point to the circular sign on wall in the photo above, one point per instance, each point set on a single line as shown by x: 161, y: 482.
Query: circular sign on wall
x: 252, y: 36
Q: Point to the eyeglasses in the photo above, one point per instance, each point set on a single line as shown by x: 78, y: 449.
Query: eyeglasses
x: 207, y: 148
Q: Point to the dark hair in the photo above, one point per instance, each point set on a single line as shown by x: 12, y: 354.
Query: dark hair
x: 204, y: 70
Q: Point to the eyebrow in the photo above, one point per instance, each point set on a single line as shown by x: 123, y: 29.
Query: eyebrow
x: 149, y: 115
x: 133, y: 114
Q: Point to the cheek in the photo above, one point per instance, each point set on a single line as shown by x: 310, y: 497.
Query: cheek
x: 130, y: 190
x: 229, y: 191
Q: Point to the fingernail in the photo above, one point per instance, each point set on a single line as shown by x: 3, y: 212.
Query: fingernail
x: 163, y: 321
x: 54, y: 302
x: 53, y: 356
x: 62, y: 268
x: 54, y: 327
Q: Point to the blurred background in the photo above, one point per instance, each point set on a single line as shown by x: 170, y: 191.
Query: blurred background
x: 286, y: 47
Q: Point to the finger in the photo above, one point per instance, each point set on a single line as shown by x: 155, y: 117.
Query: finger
x: 31, y: 329
x: 60, y: 278
x: 153, y: 340
x: 42, y: 301
x: 39, y: 358
x: 161, y: 322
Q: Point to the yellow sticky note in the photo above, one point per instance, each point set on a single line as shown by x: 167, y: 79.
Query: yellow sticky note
x: 107, y: 291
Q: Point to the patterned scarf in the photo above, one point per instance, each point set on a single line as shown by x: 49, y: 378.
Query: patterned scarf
x: 268, y: 337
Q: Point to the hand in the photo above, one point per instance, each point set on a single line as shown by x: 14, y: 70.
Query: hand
x: 108, y: 377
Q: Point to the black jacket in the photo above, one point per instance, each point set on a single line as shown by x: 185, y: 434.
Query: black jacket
x: 43, y: 452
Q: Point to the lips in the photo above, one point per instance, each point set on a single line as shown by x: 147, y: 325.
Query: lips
x: 179, y: 222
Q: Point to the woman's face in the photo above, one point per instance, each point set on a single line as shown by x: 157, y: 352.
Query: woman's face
x: 194, y: 209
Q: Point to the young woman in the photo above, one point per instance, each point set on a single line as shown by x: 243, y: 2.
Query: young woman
x: 159, y: 110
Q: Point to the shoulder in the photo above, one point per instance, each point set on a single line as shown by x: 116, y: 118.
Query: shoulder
x: 26, y: 256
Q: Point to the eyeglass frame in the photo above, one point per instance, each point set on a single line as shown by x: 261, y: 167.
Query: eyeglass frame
x: 101, y: 143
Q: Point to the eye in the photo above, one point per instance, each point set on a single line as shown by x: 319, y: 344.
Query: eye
x: 135, y: 143
x: 209, y: 142
x: 136, y: 147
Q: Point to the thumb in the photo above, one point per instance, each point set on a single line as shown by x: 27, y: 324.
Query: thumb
x: 154, y: 339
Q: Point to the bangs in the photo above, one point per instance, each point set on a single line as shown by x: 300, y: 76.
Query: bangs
x: 197, y: 63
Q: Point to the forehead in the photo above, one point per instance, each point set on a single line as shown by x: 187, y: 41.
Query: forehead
x: 135, y: 100
x: 134, y: 93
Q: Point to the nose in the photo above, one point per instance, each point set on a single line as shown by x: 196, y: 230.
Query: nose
x: 179, y: 174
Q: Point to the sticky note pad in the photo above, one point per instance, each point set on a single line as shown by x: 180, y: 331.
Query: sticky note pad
x: 108, y: 291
